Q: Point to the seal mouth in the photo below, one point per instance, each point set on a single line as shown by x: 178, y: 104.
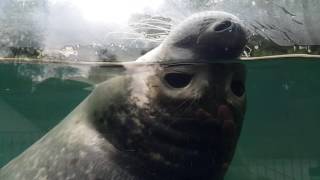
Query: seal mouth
x: 200, y: 132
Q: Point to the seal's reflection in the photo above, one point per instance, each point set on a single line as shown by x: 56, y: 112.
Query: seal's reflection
x: 181, y: 121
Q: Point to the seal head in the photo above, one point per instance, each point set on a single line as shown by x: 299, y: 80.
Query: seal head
x: 185, y: 110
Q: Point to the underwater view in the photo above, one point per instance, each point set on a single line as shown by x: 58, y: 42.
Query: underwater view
x: 159, y: 89
x: 278, y: 138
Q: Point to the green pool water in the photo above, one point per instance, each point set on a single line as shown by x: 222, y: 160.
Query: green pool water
x: 279, y: 139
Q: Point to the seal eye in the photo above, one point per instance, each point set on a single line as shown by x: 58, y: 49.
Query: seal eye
x: 178, y: 80
x: 237, y: 87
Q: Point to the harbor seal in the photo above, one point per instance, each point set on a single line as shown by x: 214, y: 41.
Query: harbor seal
x: 176, y: 117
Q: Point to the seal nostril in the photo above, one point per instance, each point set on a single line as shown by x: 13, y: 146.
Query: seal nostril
x: 178, y: 80
x: 223, y: 26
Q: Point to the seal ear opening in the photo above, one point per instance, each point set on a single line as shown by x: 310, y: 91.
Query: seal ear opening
x: 237, y: 87
x: 178, y: 80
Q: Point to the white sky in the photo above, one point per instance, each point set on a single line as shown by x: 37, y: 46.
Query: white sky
x: 111, y: 10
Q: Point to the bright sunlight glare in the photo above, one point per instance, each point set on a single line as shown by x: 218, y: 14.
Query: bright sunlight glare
x: 111, y: 10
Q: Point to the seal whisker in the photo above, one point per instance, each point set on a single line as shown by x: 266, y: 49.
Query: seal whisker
x: 180, y: 106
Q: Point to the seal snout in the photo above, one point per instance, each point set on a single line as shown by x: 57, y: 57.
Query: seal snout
x: 222, y: 39
x: 204, y: 37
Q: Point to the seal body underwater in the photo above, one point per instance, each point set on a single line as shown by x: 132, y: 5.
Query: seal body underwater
x: 174, y: 118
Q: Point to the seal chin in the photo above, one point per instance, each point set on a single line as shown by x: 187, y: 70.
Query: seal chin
x: 194, y: 143
x: 191, y: 138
